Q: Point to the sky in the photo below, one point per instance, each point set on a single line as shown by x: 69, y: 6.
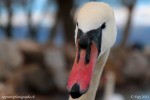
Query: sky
x: 141, y: 18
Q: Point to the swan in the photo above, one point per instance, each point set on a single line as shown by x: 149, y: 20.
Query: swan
x: 109, y: 93
x: 95, y: 34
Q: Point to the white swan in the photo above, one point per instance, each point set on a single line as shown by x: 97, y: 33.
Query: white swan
x: 109, y: 93
x: 95, y: 34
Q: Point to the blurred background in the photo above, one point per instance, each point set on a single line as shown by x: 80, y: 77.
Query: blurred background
x: 37, y: 48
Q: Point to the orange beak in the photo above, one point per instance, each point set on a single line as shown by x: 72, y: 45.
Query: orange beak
x: 81, y: 74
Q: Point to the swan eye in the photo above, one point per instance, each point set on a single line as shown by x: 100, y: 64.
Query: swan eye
x: 103, y: 25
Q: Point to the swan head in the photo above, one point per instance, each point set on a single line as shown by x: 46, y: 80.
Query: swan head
x: 95, y: 33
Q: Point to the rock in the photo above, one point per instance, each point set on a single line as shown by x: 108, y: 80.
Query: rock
x: 136, y: 65
x: 55, y: 61
x: 10, y: 54
x: 37, y: 80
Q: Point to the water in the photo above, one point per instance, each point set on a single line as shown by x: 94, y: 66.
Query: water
x: 139, y: 34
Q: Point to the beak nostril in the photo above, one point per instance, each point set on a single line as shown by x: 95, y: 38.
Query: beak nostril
x: 75, y: 91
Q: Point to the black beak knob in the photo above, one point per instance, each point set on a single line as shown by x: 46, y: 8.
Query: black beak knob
x: 75, y: 91
x: 84, y: 41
